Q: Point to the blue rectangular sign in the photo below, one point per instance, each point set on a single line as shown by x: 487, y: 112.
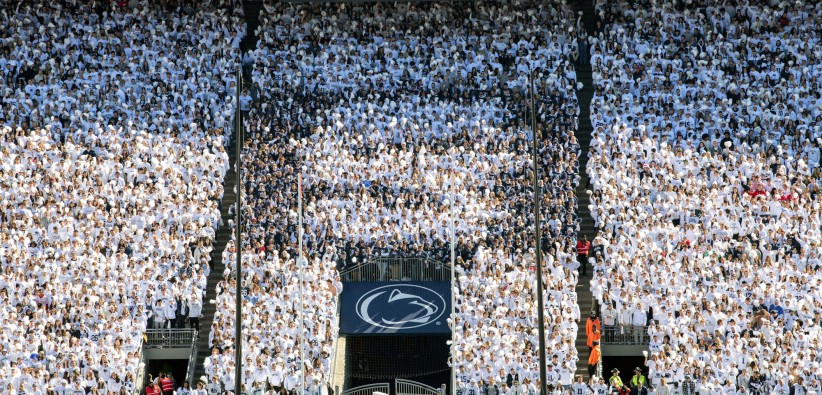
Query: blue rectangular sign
x: 402, y: 307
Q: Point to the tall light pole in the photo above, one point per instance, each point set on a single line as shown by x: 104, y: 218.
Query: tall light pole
x: 538, y: 241
x: 453, y: 284
x: 301, y: 264
x: 238, y: 296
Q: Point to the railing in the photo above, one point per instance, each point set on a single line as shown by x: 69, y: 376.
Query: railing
x: 141, y: 372
x: 628, y: 335
x: 398, y: 269
x: 170, y: 338
x: 408, y: 387
x: 334, y: 344
x: 192, y: 359
x: 369, y: 389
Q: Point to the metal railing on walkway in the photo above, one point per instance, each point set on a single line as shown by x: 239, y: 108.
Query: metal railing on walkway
x: 192, y: 359
x: 409, y: 387
x: 628, y: 335
x: 368, y: 389
x: 141, y: 371
x: 170, y: 338
x: 398, y: 269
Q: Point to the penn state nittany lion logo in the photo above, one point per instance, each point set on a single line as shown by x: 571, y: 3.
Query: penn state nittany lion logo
x: 400, y: 306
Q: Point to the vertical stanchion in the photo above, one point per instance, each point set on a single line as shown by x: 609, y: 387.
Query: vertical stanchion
x: 238, y: 295
x: 538, y: 242
x: 301, y: 264
x: 453, y: 286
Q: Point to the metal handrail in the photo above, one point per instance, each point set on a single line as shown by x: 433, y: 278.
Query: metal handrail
x: 410, y: 387
x: 192, y: 359
x: 170, y: 338
x: 627, y: 335
x: 368, y: 389
x: 334, y: 345
x: 140, y: 374
x: 393, y: 268
x: 141, y: 371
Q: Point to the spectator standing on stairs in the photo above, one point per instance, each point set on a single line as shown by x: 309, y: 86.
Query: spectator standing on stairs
x: 594, y: 337
x: 593, y: 359
x: 583, y: 246
x: 591, y: 324
x: 200, y: 390
x: 195, y: 311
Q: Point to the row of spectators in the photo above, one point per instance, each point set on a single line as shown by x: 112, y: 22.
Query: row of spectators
x: 381, y: 109
x: 705, y: 188
x: 111, y: 168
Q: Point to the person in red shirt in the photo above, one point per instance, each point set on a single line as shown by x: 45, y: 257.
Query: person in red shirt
x: 153, y: 389
x: 583, y: 246
x: 167, y: 384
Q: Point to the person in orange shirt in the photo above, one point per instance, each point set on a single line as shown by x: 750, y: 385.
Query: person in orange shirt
x: 593, y: 359
x: 594, y: 337
x: 592, y: 322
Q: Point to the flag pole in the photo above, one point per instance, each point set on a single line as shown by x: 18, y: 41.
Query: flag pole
x: 300, y: 268
x: 453, y: 288
x: 538, y: 243
x: 238, y: 295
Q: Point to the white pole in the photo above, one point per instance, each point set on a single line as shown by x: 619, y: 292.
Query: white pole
x: 453, y: 288
x: 238, y: 296
x: 300, y: 264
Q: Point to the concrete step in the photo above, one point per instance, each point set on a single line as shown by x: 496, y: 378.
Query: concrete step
x: 587, y: 228
x: 221, y: 239
x: 251, y: 9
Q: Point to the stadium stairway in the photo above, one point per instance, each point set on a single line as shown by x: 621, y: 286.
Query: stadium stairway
x: 251, y: 9
x: 218, y: 266
x: 584, y: 296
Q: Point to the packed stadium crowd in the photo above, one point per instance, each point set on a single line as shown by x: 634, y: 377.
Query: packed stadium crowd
x: 705, y: 172
x: 704, y: 168
x: 111, y: 169
x: 382, y: 127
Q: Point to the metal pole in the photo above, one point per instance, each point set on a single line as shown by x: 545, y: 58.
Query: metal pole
x: 300, y: 268
x: 538, y: 243
x: 238, y: 296
x: 453, y: 288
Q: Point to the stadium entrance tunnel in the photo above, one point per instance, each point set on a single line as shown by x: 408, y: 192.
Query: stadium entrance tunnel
x: 625, y: 364
x: 178, y: 368
x: 169, y: 351
x: 394, y: 317
x: 380, y: 359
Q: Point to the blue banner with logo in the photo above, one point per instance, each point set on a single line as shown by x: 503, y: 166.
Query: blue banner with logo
x: 395, y: 307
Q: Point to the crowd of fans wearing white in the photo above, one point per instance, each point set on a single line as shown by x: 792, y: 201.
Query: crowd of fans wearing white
x: 111, y: 165
x: 380, y: 109
x: 705, y: 169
